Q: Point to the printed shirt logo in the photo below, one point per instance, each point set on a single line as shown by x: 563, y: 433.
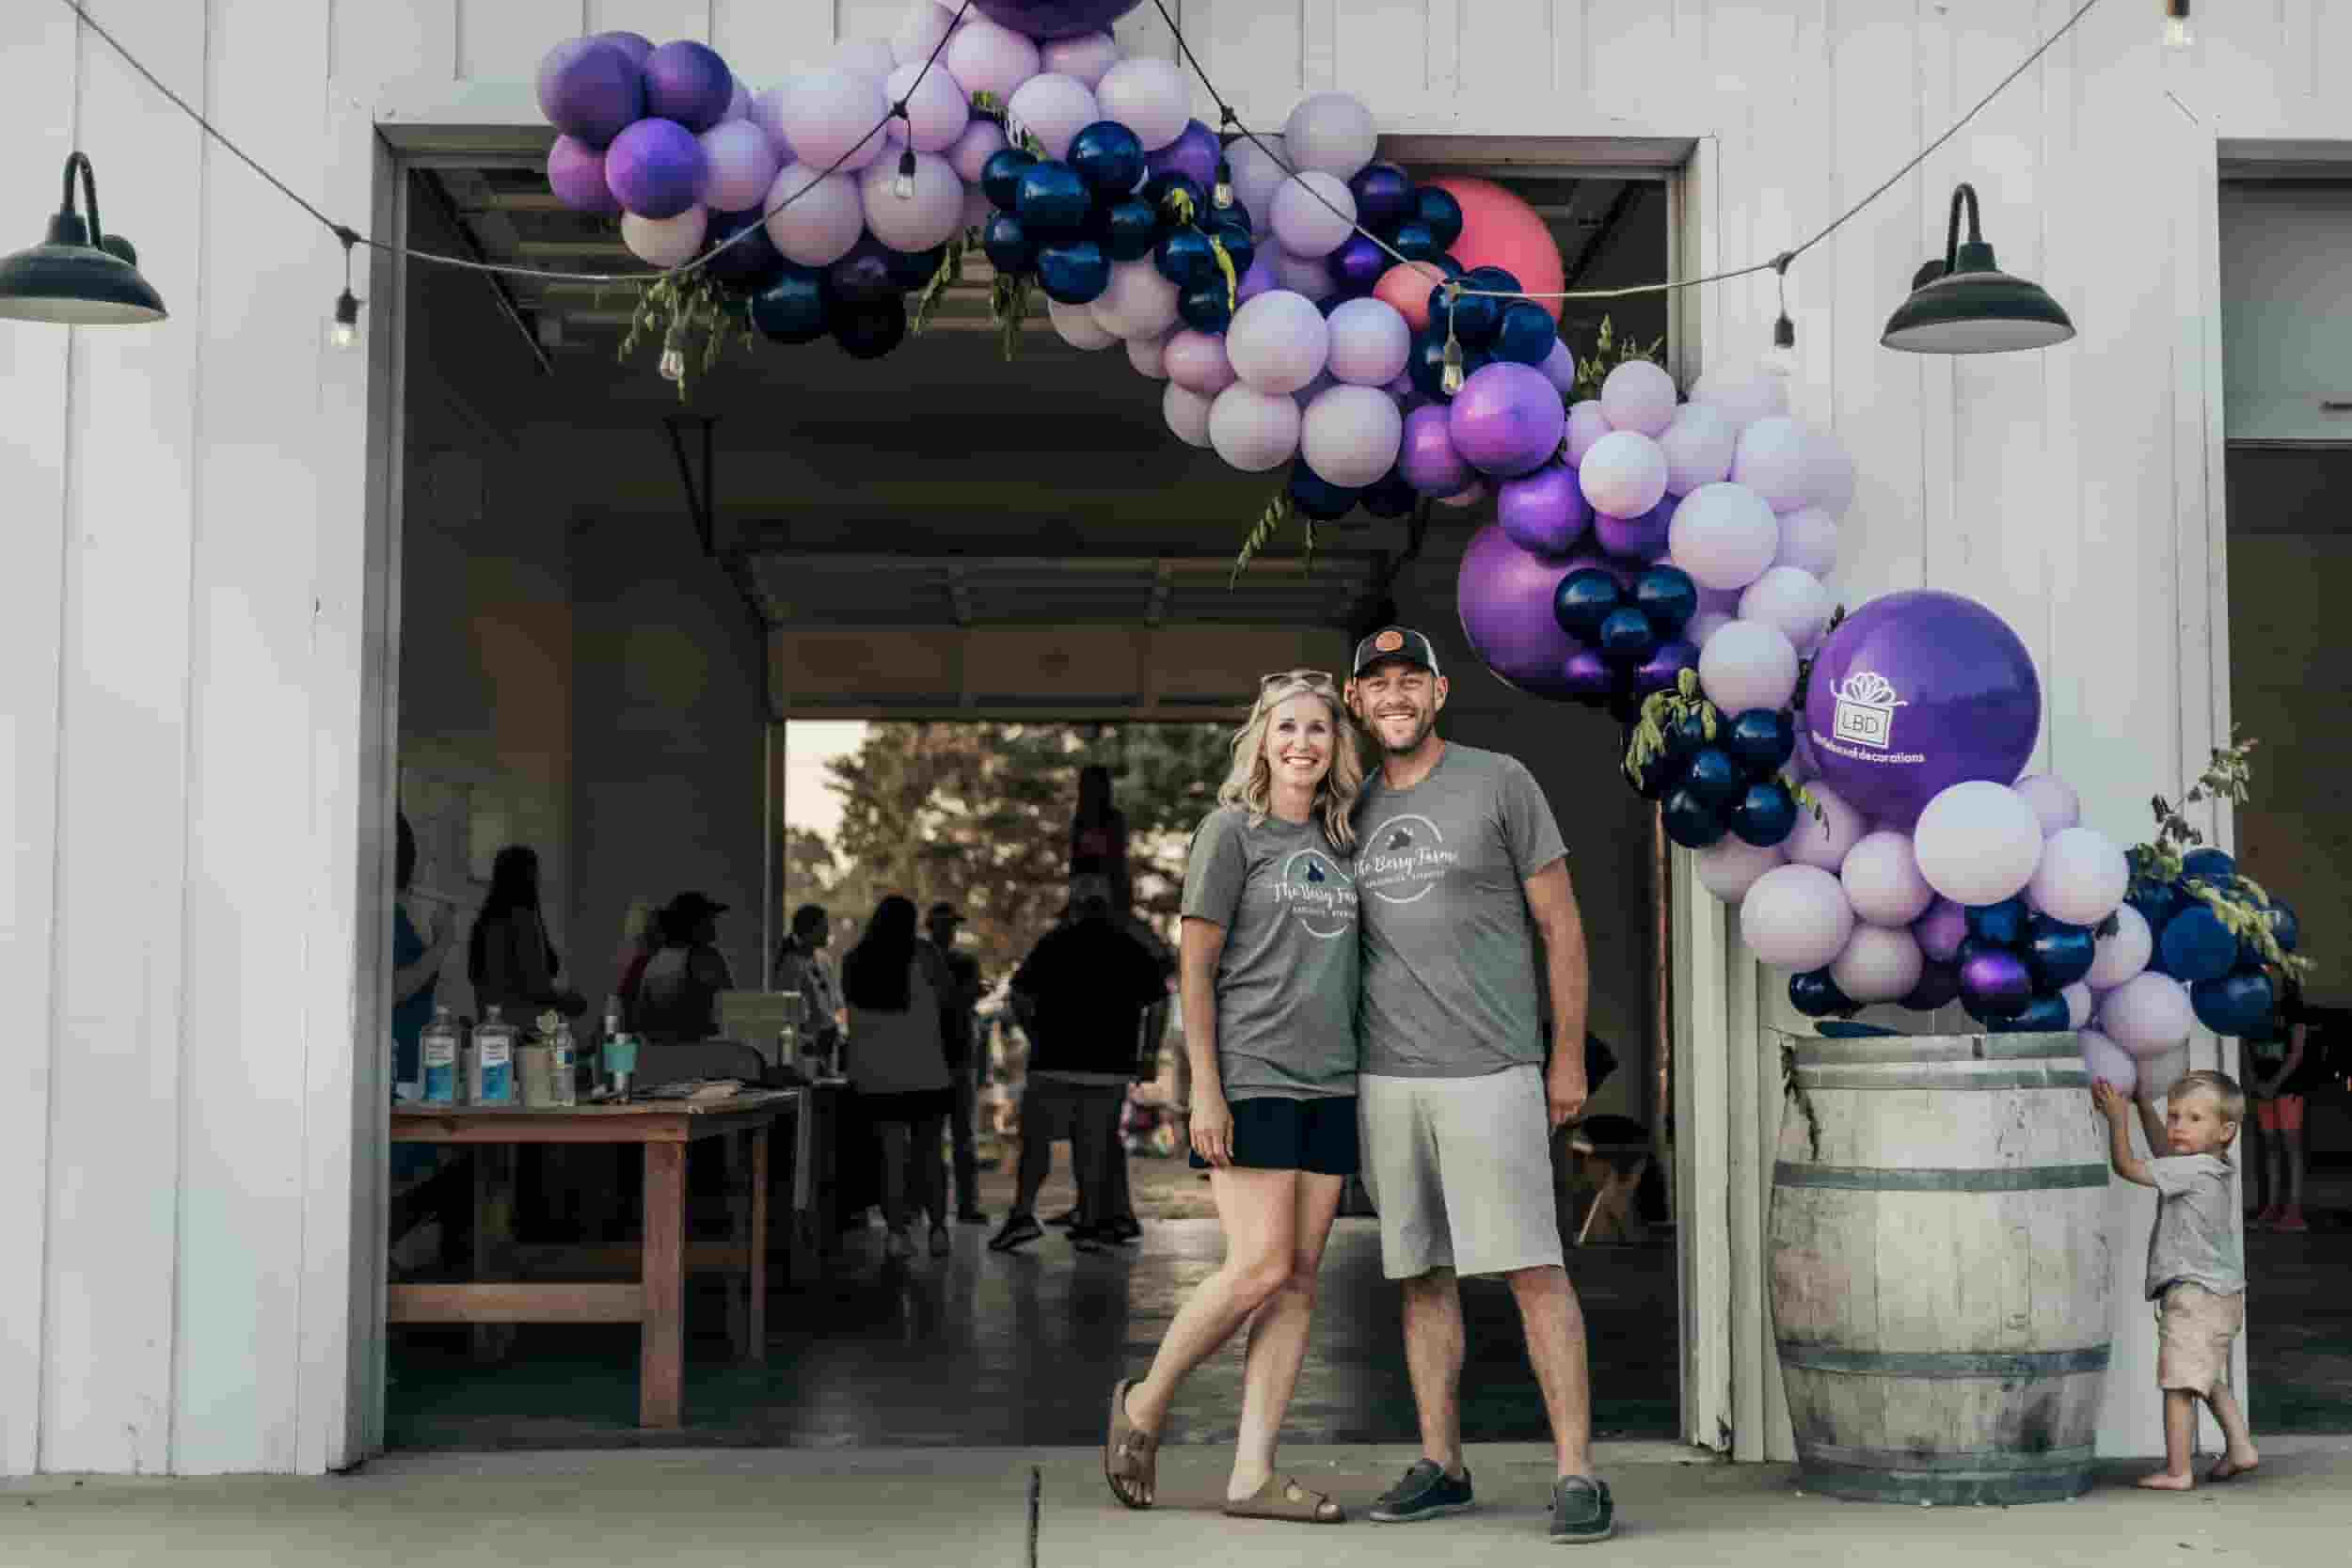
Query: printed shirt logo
x: 1403, y: 859
x: 1865, y: 717
x: 1313, y: 890
x: 1388, y: 641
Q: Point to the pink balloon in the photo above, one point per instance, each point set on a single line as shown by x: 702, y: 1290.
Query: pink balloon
x: 1791, y: 600
x: 2118, y: 957
x: 1196, y: 362
x: 768, y: 114
x: 986, y: 57
x: 834, y: 115
x: 926, y: 24
x: 1349, y: 435
x: 938, y: 107
x: 2052, y: 801
x: 666, y: 242
x: 1826, y: 839
x: 1829, y: 472
x: 870, y: 57
x: 815, y: 229
x: 982, y: 139
x: 1083, y: 59
x: 1743, y: 396
x: 1187, y: 414
x: 2080, y: 1005
x: 1149, y: 96
x: 1254, y: 431
x: 1054, y: 109
x: 1587, y: 425
x: 1140, y: 302
x: 1258, y: 173
x: 1149, y: 356
x: 2081, y: 877
x: 742, y: 162
x: 1077, y: 326
x: 1796, y: 917
x: 1724, y: 535
x: 1748, y: 664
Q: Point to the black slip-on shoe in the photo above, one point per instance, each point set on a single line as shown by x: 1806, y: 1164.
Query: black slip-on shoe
x: 1425, y: 1493
x: 1581, y: 1510
x: 1020, y: 1230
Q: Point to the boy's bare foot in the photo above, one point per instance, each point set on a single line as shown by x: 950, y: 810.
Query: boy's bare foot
x: 2165, y: 1481
x: 2233, y: 1464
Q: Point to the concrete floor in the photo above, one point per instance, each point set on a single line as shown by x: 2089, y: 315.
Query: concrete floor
x: 968, y: 1506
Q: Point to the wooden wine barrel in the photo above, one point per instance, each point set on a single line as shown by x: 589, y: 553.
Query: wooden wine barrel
x: 1940, y: 1267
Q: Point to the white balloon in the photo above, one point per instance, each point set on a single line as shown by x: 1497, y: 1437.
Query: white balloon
x: 1314, y: 213
x: 1370, y: 342
x: 1149, y: 356
x: 1639, y: 396
x: 1882, y: 881
x: 1054, y: 109
x: 1977, y: 842
x: 1743, y: 396
x: 1730, y: 866
x: 1826, y: 835
x: 1140, y: 297
x: 2080, y: 1005
x: 1879, y: 964
x: 987, y: 57
x: 1350, y: 435
x: 815, y: 229
x: 2148, y: 1015
x: 1791, y: 599
x: 1252, y: 430
x: 1698, y: 447
x: 2108, y: 1061
x: 1623, y: 474
x: 1808, y: 541
x: 1077, y: 326
x: 1149, y: 96
x: 1278, y: 341
x: 1748, y: 664
x: 1587, y: 425
x: 2119, y: 956
x: 1724, y: 535
x: 1187, y: 414
x: 1796, y: 917
x: 2053, y: 800
x: 2082, y: 876
x: 666, y: 242
x: 1772, y: 461
x: 1331, y: 132
x: 1258, y: 173
x: 1084, y: 58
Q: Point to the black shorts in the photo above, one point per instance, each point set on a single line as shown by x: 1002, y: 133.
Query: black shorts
x: 1317, y: 1136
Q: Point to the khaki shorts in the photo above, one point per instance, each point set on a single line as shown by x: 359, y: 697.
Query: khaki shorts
x: 1461, y: 1170
x: 2194, y: 1331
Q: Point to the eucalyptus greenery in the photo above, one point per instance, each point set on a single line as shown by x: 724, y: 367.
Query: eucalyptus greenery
x: 948, y: 273
x: 677, y: 307
x: 2240, y: 903
x: 1609, y: 352
x: 1262, y: 532
x: 1646, y: 742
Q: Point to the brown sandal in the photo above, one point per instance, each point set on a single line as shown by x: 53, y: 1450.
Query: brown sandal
x: 1130, y: 1456
x: 1286, y: 1499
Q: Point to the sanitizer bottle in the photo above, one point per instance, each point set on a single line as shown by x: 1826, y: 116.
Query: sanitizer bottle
x: 493, y: 1062
x: 437, y: 1056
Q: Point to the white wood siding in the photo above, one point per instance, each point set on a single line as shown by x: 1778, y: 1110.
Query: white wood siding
x: 194, y: 618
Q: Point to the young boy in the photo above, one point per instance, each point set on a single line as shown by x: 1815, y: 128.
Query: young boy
x: 2196, y: 1271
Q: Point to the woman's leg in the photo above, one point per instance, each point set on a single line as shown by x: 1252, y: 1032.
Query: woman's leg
x: 893, y: 1136
x: 1258, y: 1210
x: 930, y: 1166
x: 2290, y: 1141
x: 1278, y: 1337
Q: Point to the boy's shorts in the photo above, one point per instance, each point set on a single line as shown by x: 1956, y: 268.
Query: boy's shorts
x: 2194, y: 1330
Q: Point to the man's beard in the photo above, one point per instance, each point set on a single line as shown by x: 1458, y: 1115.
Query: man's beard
x: 1422, y: 724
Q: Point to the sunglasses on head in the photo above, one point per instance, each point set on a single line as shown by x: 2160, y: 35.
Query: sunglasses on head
x: 1303, y: 677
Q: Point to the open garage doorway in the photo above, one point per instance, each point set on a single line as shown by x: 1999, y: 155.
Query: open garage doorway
x: 625, y: 619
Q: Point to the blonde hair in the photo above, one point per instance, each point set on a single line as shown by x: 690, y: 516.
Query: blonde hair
x: 2228, y: 1098
x: 1250, y: 785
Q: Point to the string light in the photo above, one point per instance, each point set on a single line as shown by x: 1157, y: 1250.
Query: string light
x: 673, y: 364
x: 344, y: 331
x: 903, y: 186
x: 1223, y: 194
x: 1450, y: 376
x: 2177, y: 34
x: 1781, y: 359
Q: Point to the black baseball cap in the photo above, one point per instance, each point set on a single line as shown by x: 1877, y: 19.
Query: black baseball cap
x: 942, y: 911
x: 690, y: 907
x: 1399, y: 644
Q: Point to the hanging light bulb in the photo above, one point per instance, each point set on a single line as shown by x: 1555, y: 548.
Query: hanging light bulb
x: 2177, y: 34
x: 1781, y: 359
x: 1223, y: 194
x: 903, y: 186
x: 1451, y: 377
x: 673, y: 365
x: 345, y: 331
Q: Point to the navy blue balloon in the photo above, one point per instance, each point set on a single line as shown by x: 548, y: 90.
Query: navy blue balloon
x: 1233, y: 214
x: 1658, y: 777
x: 911, y: 269
x: 1496, y: 278
x: 2157, y: 903
x: 2001, y: 925
x: 792, y: 308
x: 1761, y: 741
x: 1816, y: 995
x: 2042, y: 1015
x: 862, y: 275
x: 1584, y: 600
x: 1668, y: 597
x: 1389, y: 496
x: 1848, y: 1029
x: 1209, y: 308
x: 871, y: 329
x: 1317, y: 497
x: 1127, y: 231
x: 753, y: 261
x: 1240, y: 247
x: 1054, y: 201
x: 2284, y: 927
x: 1714, y: 778
x: 1686, y: 732
x: 1011, y: 250
x: 1939, y: 984
x: 1075, y: 272
x: 1356, y: 265
x: 1000, y: 176
x: 2237, y: 1004
x: 1476, y: 317
x: 2059, y: 954
x: 1160, y: 190
x: 1442, y: 214
x: 1427, y: 364
x: 1994, y: 983
x: 1187, y: 259
x: 1527, y: 334
x: 1416, y: 243
x: 1690, y: 821
x: 1766, y: 814
x: 1587, y: 678
x: 2212, y: 865
x: 2197, y: 946
x: 1384, y: 195
x: 1625, y: 635
x: 1108, y: 157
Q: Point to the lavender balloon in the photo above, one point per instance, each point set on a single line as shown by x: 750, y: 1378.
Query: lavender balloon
x: 1915, y: 692
x: 576, y: 175
x: 1559, y: 368
x: 590, y: 89
x: 1663, y: 671
x: 1641, y: 538
x: 1370, y: 342
x: 1087, y: 57
x: 1197, y: 361
x: 1356, y: 265
x: 1259, y: 280
x: 656, y: 169
x: 1586, y: 425
x: 1149, y: 96
x: 1428, y: 459
x: 1587, y: 674
x: 1504, y: 596
x: 1506, y: 420
x: 688, y: 82
x: 637, y: 46
x: 1543, y: 512
x: 1054, y: 19
x: 743, y: 164
x: 1941, y: 930
x: 985, y: 57
x: 830, y: 115
x: 1193, y: 154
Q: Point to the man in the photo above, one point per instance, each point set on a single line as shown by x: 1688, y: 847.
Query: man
x: 1080, y: 997
x: 959, y: 1025
x: 1460, y: 869
x: 677, y: 999
x: 801, y: 968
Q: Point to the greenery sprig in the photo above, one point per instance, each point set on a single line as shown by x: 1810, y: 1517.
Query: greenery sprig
x: 1008, y: 307
x: 1262, y: 532
x: 1659, y: 709
x: 948, y: 273
x: 1609, y: 352
x: 1804, y: 665
x: 2239, y: 902
x: 673, y: 310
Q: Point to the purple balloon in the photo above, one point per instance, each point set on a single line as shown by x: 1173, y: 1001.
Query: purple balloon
x: 576, y: 175
x: 637, y: 46
x: 589, y: 89
x: 1915, y: 692
x: 1194, y: 154
x: 1939, y: 983
x: 1383, y: 194
x: 1427, y: 458
x: 1641, y: 538
x: 1256, y: 280
x: 1663, y: 668
x: 656, y: 169
x: 1504, y: 596
x: 1588, y: 674
x: 688, y: 82
x: 1356, y: 265
x: 1995, y: 984
x: 1545, y: 512
x: 1054, y: 19
x: 1941, y: 930
x: 1508, y: 419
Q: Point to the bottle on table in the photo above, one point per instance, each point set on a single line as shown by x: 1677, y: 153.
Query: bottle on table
x: 438, y: 1055
x: 566, y: 1067
x: 493, y: 1061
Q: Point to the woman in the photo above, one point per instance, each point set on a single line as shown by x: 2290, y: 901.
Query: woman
x: 677, y: 995
x: 416, y: 969
x: 895, y: 985
x: 509, y: 960
x: 1098, y: 837
x: 2277, y: 1083
x: 1267, y: 974
x: 640, y: 939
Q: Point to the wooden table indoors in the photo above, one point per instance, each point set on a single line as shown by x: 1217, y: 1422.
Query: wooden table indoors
x: 657, y: 1300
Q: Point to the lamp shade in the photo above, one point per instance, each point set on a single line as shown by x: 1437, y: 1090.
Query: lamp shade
x: 1964, y: 303
x: 79, y: 274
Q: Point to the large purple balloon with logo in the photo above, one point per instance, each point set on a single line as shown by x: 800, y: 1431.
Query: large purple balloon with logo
x: 1915, y: 692
x: 1503, y: 594
x: 1054, y: 19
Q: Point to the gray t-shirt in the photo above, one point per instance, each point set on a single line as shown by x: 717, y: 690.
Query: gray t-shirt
x: 1450, y: 950
x: 2194, y: 1238
x: 1286, y: 981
